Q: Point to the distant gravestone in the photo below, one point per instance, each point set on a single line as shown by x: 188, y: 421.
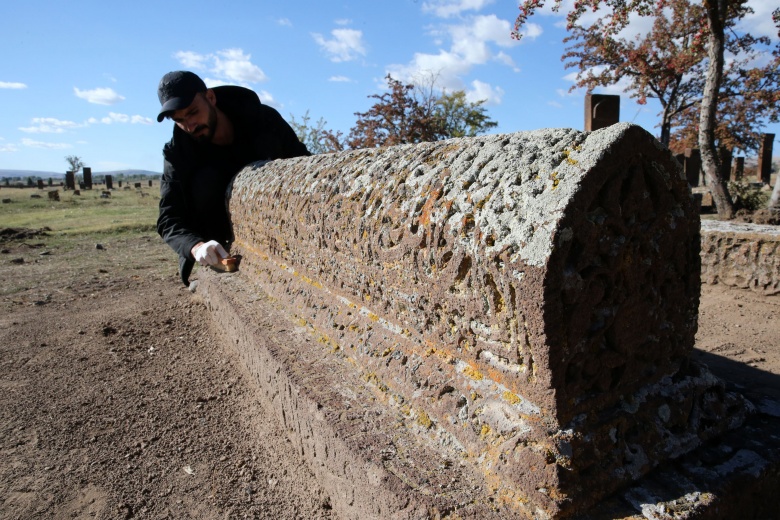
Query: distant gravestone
x: 601, y: 111
x: 120, y: 184
x: 54, y: 195
x: 739, y: 169
x: 150, y: 183
x: 138, y: 185
x: 693, y: 166
x: 110, y: 182
x: 765, y: 158
x: 40, y: 184
x: 70, y: 180
x: 87, y: 178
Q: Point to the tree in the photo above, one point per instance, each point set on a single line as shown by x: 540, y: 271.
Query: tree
x: 75, y: 163
x: 413, y: 113
x: 774, y: 200
x: 461, y: 118
x: 720, y: 16
x: 317, y: 138
x: 665, y: 64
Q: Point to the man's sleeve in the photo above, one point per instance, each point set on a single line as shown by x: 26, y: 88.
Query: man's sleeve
x: 172, y: 219
x: 280, y: 135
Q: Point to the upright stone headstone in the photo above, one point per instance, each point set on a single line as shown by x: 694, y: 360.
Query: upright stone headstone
x: 726, y: 158
x: 150, y: 183
x: 601, y: 111
x: 738, y: 170
x: 51, y: 182
x: 137, y: 185
x: 693, y: 166
x: 110, y: 182
x: 87, y: 178
x: 120, y: 184
x: 40, y: 184
x: 70, y: 180
x: 765, y: 158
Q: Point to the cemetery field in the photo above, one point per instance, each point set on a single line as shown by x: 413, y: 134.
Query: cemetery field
x: 118, y: 400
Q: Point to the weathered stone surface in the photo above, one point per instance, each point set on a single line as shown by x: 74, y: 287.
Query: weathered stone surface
x: 741, y: 255
x: 530, y: 300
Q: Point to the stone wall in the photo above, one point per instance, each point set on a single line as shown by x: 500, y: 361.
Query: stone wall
x: 741, y: 255
x: 529, y: 300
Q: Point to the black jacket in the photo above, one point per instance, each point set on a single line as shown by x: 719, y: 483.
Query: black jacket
x: 196, y: 175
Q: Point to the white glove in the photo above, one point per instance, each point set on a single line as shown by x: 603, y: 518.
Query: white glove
x: 210, y: 253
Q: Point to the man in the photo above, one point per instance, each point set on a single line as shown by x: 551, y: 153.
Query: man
x: 217, y: 132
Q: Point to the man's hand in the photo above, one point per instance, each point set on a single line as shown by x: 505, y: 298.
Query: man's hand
x: 209, y: 253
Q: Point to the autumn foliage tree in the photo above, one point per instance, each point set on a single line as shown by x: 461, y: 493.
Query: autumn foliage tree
x: 409, y: 113
x: 665, y: 64
x: 681, y: 62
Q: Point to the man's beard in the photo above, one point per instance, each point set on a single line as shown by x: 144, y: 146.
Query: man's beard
x: 210, y: 126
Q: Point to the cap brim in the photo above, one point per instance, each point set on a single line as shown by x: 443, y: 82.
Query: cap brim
x: 172, y: 105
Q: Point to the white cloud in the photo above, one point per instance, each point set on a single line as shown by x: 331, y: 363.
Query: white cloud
x: 476, y: 41
x: 339, y: 79
x: 481, y: 90
x: 230, y: 66
x: 760, y: 22
x: 343, y: 21
x: 450, y: 8
x: 192, y: 60
x: 39, y: 144
x: 141, y: 120
x: 233, y: 64
x: 9, y: 148
x: 12, y: 85
x: 531, y: 31
x: 346, y: 44
x: 99, y: 96
x: 284, y: 22
x: 49, y: 125
x: 554, y: 104
x: 114, y: 117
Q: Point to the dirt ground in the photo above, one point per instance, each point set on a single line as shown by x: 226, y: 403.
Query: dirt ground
x: 118, y: 401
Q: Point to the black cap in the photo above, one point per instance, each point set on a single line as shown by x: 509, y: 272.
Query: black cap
x: 177, y: 89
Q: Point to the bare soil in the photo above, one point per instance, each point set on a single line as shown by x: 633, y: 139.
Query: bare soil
x: 117, y: 400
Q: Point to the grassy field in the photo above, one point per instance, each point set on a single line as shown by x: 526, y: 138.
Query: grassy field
x: 87, y: 213
x: 85, y: 236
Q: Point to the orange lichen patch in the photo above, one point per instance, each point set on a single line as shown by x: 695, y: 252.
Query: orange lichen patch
x: 485, y: 431
x: 427, y: 209
x: 373, y: 317
x: 554, y: 178
x: 495, y: 375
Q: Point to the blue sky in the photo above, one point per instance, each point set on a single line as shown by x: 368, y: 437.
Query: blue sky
x: 80, y: 77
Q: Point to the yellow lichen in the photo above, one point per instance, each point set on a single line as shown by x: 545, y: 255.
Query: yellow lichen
x: 473, y: 373
x: 512, y: 398
x: 423, y: 420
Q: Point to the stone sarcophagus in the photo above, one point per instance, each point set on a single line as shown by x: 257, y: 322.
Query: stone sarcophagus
x: 526, y: 304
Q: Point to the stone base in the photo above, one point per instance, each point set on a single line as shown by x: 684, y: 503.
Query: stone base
x: 378, y: 461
